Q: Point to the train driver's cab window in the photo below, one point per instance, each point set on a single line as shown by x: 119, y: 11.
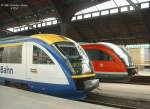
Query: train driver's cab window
x: 97, y: 55
x: 40, y: 57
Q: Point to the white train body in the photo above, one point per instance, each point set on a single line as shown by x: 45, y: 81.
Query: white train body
x: 38, y: 63
x: 25, y: 70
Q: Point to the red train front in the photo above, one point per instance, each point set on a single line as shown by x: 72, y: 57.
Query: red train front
x: 109, y: 60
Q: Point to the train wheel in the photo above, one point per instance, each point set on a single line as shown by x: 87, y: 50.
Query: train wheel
x: 24, y: 86
x: 16, y: 85
x: 7, y: 83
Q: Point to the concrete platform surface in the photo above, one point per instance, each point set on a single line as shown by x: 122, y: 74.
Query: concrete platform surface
x: 144, y: 73
x: 11, y: 98
x: 129, y: 91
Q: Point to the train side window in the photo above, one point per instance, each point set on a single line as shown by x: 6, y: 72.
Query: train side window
x: 1, y: 54
x: 97, y: 55
x: 40, y: 57
x: 11, y: 54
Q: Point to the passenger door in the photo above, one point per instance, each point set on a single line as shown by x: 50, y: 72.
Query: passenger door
x: 42, y: 67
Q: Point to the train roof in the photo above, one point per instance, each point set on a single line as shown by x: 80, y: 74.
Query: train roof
x: 48, y: 38
x: 112, y: 46
x: 86, y: 43
x: 107, y: 44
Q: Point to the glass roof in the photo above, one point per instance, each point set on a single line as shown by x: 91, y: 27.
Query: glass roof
x: 108, y: 5
x: 41, y: 23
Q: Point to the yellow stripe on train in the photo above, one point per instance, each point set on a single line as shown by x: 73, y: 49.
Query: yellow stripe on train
x: 10, y: 45
x: 50, y: 38
x: 83, y: 76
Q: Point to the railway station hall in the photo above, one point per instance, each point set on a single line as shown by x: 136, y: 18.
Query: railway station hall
x: 75, y: 54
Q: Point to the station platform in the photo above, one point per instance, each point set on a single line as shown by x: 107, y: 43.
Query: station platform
x: 142, y: 77
x: 144, y: 73
x: 11, y: 98
x: 137, y: 96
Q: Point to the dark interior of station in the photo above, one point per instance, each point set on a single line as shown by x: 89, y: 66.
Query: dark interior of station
x: 124, y: 27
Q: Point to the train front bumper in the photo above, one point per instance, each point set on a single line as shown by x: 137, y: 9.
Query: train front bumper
x: 91, y: 84
x: 86, y: 82
x: 132, y: 71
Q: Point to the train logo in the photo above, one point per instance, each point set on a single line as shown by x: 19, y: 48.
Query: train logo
x: 6, y: 69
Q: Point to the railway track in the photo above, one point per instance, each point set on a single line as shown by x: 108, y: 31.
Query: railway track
x: 130, y: 82
x: 139, y: 80
x: 108, y: 104
x: 121, y: 103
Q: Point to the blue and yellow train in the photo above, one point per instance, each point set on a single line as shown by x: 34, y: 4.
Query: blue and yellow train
x: 47, y: 63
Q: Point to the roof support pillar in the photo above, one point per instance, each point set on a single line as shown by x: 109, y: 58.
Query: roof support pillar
x: 137, y: 9
x: 63, y: 28
x: 65, y: 23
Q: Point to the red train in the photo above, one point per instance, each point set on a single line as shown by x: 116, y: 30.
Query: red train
x: 110, y: 60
